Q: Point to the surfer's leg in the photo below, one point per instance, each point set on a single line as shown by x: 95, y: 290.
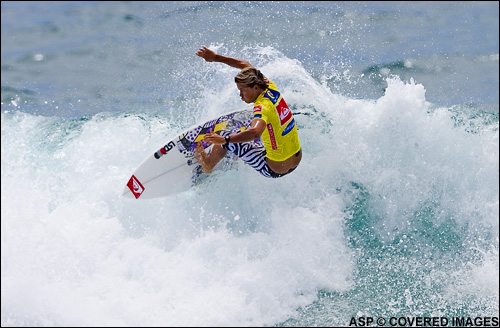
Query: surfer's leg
x: 208, y: 161
x: 252, y: 153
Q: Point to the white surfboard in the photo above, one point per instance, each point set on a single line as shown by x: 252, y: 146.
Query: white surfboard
x: 174, y: 168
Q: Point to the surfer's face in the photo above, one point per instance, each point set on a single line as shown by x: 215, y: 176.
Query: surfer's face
x: 247, y: 93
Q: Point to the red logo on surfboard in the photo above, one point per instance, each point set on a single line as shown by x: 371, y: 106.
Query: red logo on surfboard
x: 135, y: 186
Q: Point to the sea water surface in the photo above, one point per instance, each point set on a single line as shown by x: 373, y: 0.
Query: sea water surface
x: 393, y: 211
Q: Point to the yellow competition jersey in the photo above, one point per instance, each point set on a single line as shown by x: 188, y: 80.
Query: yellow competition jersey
x: 280, y: 138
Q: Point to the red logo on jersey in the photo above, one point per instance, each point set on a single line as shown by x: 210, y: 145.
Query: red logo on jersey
x: 284, y: 113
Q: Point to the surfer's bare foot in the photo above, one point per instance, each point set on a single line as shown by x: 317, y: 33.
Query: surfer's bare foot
x: 202, y: 158
x: 209, y: 161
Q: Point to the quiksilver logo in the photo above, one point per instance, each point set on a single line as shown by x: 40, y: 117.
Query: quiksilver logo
x: 135, y: 186
x: 284, y: 113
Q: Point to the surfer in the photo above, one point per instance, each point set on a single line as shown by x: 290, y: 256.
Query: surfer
x: 271, y: 144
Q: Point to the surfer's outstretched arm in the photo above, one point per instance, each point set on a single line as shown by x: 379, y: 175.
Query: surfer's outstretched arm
x: 211, y: 56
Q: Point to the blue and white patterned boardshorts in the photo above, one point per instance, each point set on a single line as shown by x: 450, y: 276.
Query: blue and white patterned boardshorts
x: 254, y: 154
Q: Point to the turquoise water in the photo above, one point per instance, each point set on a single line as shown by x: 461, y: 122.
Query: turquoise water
x: 393, y: 211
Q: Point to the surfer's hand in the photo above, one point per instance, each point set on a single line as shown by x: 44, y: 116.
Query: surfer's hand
x: 206, y: 54
x: 214, y: 138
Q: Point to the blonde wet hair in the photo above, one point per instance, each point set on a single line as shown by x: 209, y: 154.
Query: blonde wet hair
x: 251, y: 76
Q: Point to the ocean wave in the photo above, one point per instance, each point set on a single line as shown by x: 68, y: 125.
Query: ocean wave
x: 389, y: 183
